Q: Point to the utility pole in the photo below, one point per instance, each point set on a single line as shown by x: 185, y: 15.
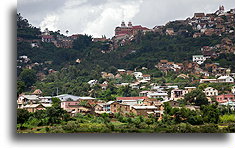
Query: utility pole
x: 57, y: 91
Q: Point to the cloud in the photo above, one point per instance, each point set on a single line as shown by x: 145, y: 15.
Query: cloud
x: 49, y: 22
x: 111, y: 15
x: 100, y: 17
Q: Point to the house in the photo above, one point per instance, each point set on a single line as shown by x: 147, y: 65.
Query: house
x: 33, y: 44
x: 146, y: 77
x: 233, y: 90
x: 210, y: 91
x: 89, y: 100
x: 136, y: 85
x: 170, y: 31
x: 225, y: 98
x: 117, y: 107
x: 35, y: 107
x: 45, y: 99
x: 65, y: 104
x: 106, y: 75
x: 27, y: 99
x: 208, y: 81
x: 47, y: 38
x: 225, y: 79
x: 151, y: 102
x: 74, y: 109
x: 106, y: 106
x: 37, y: 92
x: 131, y: 100
x: 99, y: 107
x: 199, y: 59
x: 189, y: 89
x: 178, y: 94
x: 121, y: 71
x: 146, y: 111
x: 138, y: 75
x: 144, y: 93
x: 103, y: 86
x: 199, y: 15
x: 67, y: 97
x: 162, y: 95
x: 92, y: 82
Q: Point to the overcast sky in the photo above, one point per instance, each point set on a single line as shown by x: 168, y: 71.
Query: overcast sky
x: 100, y: 17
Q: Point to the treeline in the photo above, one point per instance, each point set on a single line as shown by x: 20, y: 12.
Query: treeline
x: 210, y: 119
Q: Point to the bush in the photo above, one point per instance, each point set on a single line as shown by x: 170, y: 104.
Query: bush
x: 227, y: 118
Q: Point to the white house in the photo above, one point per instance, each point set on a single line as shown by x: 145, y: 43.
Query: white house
x: 199, y: 59
x: 66, y: 97
x: 146, y: 77
x: 92, y: 82
x: 210, y: 91
x: 225, y: 79
x: 138, y: 75
x: 162, y: 95
x: 233, y: 90
x: 178, y: 94
x: 45, y: 99
x: 27, y: 99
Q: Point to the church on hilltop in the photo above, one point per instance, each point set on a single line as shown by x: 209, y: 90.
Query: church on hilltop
x: 129, y: 29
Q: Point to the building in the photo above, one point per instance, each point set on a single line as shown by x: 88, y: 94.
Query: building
x: 146, y: 111
x: 225, y: 79
x: 178, y: 94
x: 27, y: 99
x: 208, y: 81
x: 199, y: 15
x: 66, y: 104
x: 199, y: 59
x: 129, y: 29
x: 190, y: 89
x: 117, y: 107
x: 225, y: 98
x: 170, y: 31
x: 131, y: 100
x: 162, y: 95
x: 233, y: 90
x: 67, y: 97
x: 146, y: 77
x: 35, y: 107
x: 210, y: 91
x: 45, y: 99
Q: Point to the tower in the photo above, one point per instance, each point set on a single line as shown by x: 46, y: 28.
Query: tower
x: 221, y: 8
x: 123, y: 24
x: 129, y: 24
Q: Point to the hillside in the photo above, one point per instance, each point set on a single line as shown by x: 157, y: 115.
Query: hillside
x: 145, y: 50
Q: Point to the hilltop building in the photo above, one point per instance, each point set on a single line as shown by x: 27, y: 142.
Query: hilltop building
x: 129, y: 29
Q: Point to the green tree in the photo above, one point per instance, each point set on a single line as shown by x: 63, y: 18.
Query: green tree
x: 28, y: 76
x: 20, y: 87
x: 197, y: 97
x: 22, y: 116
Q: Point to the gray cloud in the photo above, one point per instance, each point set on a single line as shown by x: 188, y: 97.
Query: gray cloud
x: 100, y: 17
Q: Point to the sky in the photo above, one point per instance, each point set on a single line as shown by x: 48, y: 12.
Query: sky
x: 100, y: 17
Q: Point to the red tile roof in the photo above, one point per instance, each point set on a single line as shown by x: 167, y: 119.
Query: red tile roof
x: 130, y: 98
x: 47, y: 36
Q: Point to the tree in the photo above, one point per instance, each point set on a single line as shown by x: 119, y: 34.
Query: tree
x: 197, y: 97
x: 28, y: 76
x: 210, y: 113
x: 22, y: 116
x: 82, y: 42
x: 20, y: 87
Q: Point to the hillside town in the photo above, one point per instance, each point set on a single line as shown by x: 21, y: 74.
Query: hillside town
x: 147, y: 94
